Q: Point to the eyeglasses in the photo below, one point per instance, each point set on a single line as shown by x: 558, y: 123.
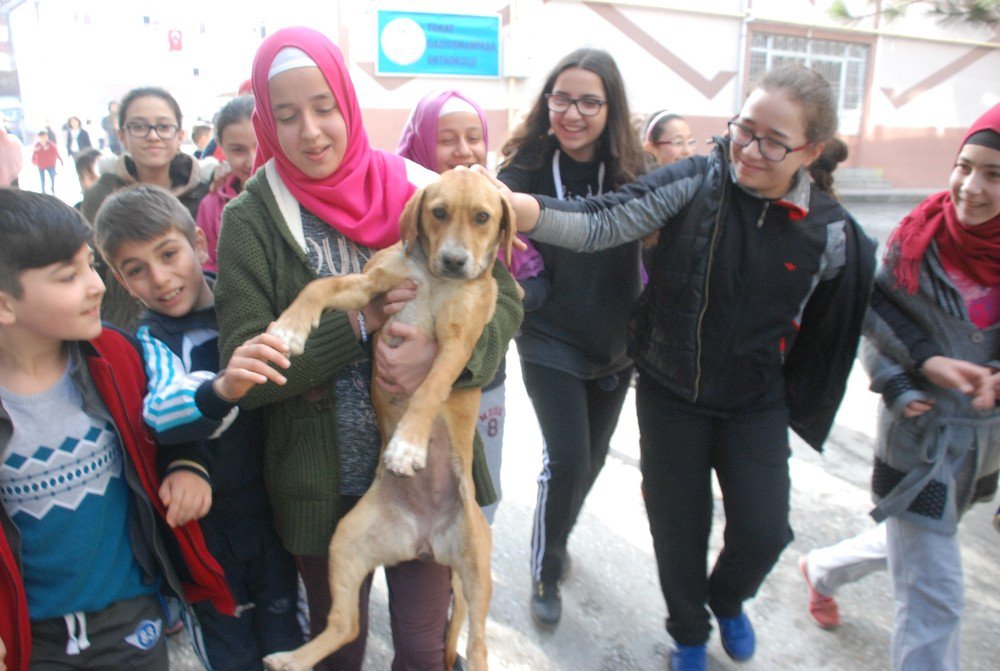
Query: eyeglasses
x: 585, y: 106
x: 770, y: 149
x: 692, y: 143
x: 140, y: 130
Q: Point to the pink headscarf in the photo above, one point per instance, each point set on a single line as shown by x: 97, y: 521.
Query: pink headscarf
x: 364, y: 197
x: 419, y: 140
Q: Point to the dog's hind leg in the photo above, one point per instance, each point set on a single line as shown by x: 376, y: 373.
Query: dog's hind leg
x: 477, y: 586
x: 356, y: 549
x: 459, y: 609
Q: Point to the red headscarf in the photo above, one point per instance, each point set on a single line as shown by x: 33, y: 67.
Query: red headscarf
x: 975, y: 250
x: 365, y: 195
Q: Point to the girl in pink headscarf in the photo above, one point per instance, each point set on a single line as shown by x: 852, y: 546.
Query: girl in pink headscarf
x: 321, y: 201
x: 445, y: 130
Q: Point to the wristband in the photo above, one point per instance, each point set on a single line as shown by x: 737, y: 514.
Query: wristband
x: 361, y: 326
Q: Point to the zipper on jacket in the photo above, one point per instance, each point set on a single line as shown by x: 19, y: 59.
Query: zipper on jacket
x: 708, y: 275
x: 763, y: 213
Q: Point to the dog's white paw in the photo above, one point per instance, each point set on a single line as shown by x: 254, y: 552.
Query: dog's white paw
x: 404, y: 458
x: 281, y: 661
x: 294, y: 339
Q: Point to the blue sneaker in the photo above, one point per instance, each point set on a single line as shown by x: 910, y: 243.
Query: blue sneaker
x: 688, y: 658
x: 737, y: 635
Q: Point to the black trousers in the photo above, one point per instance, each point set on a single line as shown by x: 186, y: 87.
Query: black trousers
x: 577, y: 418
x: 681, y: 444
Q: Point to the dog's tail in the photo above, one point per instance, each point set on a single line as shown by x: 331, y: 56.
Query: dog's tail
x: 459, y: 611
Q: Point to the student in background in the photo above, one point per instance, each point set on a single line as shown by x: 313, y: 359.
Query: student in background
x: 576, y: 142
x: 77, y: 137
x: 150, y: 129
x: 667, y: 138
x: 236, y: 137
x: 44, y: 157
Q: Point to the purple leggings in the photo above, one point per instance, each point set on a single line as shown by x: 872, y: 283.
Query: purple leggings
x: 419, y: 597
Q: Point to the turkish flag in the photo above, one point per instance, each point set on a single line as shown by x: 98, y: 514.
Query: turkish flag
x: 176, y: 40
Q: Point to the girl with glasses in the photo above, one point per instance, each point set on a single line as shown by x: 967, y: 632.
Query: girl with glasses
x: 320, y: 202
x: 668, y: 138
x: 576, y: 142
x: 149, y: 127
x: 749, y: 325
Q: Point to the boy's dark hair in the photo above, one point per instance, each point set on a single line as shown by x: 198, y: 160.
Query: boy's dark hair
x: 86, y: 161
x: 139, y: 214
x: 199, y: 131
x: 43, y: 133
x: 36, y: 230
x: 234, y: 111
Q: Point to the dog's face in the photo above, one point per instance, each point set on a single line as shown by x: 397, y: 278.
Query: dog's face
x: 461, y: 221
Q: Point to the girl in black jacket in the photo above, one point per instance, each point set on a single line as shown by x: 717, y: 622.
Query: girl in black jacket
x: 749, y: 324
x: 576, y: 142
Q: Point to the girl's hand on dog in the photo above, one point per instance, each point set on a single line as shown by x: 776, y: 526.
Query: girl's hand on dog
x: 382, y: 306
x: 401, y: 369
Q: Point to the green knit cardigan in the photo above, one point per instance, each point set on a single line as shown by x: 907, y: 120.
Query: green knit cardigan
x: 262, y: 269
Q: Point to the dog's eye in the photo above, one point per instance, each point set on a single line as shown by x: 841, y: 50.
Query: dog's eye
x: 482, y: 217
x: 439, y: 213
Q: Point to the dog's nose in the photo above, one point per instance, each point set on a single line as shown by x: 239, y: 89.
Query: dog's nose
x: 453, y: 264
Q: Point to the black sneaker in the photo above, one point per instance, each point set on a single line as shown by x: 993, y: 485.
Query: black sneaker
x: 546, y: 604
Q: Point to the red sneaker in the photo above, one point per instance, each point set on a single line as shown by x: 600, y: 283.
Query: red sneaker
x: 822, y: 608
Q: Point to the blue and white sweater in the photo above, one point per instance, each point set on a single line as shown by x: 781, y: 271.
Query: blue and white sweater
x: 181, y: 356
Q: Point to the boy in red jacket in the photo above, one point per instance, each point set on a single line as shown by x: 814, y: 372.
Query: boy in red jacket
x: 44, y: 157
x: 83, y: 513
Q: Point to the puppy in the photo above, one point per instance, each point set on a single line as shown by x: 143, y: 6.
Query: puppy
x: 422, y: 502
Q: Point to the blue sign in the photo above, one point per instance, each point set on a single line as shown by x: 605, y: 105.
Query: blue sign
x: 457, y: 45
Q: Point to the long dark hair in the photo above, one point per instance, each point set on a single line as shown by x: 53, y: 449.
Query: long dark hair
x: 617, y: 146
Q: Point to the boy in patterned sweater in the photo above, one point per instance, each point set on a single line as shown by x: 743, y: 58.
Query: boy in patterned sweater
x: 84, y: 541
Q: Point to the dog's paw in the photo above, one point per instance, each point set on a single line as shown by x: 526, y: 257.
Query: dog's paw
x: 404, y: 458
x: 281, y: 661
x: 294, y: 339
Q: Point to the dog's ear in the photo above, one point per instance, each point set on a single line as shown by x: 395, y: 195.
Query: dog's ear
x: 508, y: 229
x: 409, y: 221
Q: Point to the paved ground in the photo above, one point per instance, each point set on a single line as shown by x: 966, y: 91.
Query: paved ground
x: 613, y: 609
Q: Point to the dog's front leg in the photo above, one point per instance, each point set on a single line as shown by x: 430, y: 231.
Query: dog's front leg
x: 347, y: 292
x: 456, y: 331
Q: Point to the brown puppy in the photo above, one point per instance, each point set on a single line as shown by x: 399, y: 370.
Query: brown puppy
x: 451, y: 232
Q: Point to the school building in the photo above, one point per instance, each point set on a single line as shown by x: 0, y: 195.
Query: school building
x: 907, y: 87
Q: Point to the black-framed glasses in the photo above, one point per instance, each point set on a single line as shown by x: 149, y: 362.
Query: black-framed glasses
x: 585, y: 106
x: 140, y: 129
x: 770, y: 149
x: 677, y: 143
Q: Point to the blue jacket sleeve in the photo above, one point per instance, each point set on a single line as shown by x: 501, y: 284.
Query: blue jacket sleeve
x: 180, y: 405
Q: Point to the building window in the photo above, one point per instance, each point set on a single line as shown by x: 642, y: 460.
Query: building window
x: 843, y: 64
